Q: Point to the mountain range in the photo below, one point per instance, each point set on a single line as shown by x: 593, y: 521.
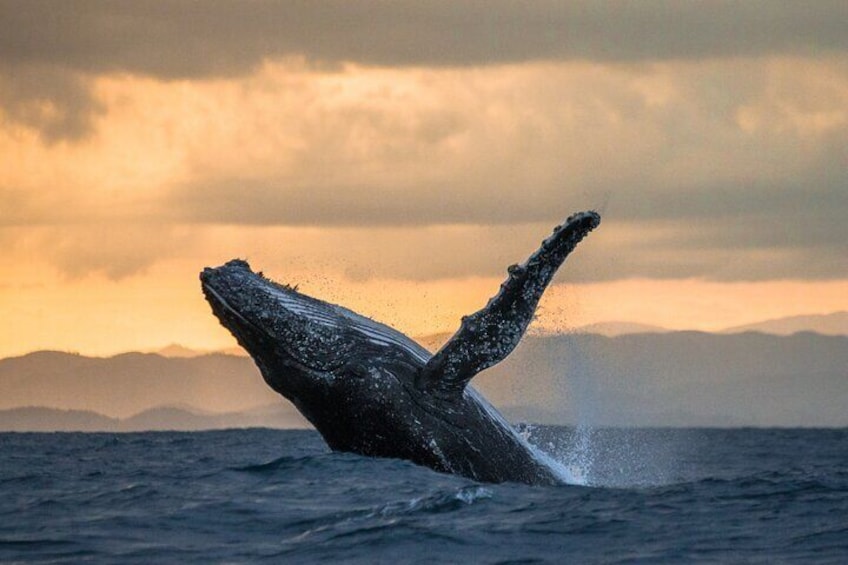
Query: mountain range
x: 825, y: 324
x: 126, y: 384
x: 675, y: 379
x: 174, y: 418
x: 638, y: 379
x: 835, y: 323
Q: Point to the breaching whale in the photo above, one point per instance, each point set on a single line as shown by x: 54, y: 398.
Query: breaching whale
x: 369, y: 389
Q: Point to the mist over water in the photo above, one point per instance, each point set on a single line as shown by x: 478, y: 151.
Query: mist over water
x: 578, y: 452
x: 614, y: 457
x: 597, y: 456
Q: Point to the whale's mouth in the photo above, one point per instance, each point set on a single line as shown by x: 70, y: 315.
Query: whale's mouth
x: 268, y: 319
x: 222, y: 308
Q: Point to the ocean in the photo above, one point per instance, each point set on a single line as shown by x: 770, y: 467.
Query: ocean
x: 280, y: 496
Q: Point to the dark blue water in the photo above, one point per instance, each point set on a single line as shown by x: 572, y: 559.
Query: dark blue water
x: 760, y: 496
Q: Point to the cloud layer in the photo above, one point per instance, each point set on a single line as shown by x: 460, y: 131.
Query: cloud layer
x: 186, y: 39
x: 50, y: 51
x: 713, y: 136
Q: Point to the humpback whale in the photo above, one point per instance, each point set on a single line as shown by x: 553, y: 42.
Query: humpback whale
x: 369, y: 389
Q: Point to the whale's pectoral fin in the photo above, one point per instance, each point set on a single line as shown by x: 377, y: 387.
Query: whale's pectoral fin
x: 489, y: 335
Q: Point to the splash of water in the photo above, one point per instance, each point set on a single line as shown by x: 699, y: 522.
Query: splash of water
x: 610, y: 457
x: 578, y: 455
x: 580, y: 458
x: 597, y: 456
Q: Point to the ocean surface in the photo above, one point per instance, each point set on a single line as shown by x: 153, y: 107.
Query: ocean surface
x: 245, y: 496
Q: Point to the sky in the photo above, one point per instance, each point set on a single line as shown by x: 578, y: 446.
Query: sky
x: 397, y: 156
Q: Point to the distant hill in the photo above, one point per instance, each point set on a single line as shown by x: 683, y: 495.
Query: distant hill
x: 176, y: 350
x: 610, y: 329
x: 675, y: 379
x: 281, y: 414
x: 127, y: 384
x: 647, y: 379
x: 41, y: 419
x: 179, y: 351
x: 613, y: 329
x: 825, y: 324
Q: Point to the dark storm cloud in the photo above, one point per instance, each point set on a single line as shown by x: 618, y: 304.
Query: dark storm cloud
x: 794, y: 208
x: 794, y: 231
x: 184, y: 39
x: 272, y: 201
x: 762, y: 201
x: 51, y: 100
x: 67, y: 43
x: 773, y: 190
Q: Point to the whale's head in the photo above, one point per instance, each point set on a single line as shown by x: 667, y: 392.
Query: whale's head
x: 309, y: 351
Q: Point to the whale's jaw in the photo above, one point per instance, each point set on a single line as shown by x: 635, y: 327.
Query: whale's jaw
x: 296, y: 340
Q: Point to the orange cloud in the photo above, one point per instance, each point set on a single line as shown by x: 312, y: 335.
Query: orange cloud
x: 375, y: 184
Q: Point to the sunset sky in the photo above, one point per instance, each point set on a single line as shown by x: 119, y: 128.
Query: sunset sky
x: 397, y: 156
